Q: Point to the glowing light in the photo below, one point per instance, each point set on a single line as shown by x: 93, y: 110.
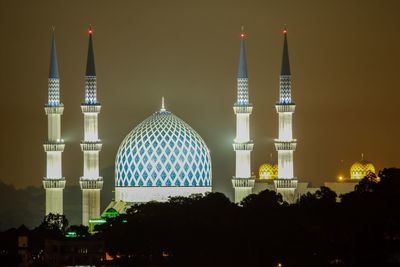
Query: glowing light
x: 242, y: 35
x: 285, y: 31
x: 268, y: 171
x: 340, y: 178
x: 360, y: 169
x: 90, y: 30
x: 71, y: 234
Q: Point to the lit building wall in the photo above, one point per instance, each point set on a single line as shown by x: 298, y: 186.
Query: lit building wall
x: 145, y: 194
x: 285, y: 164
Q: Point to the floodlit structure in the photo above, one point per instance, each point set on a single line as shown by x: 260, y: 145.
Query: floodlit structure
x: 286, y: 184
x: 161, y: 157
x: 243, y: 181
x: 268, y: 171
x: 164, y: 157
x: 91, y: 182
x: 54, y: 182
x: 361, y: 168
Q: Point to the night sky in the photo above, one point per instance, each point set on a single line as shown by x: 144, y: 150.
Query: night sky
x: 344, y: 59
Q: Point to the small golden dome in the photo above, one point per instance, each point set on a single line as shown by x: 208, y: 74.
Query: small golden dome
x: 360, y: 169
x: 268, y: 171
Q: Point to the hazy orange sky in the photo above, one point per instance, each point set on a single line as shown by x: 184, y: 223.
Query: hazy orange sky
x: 344, y: 59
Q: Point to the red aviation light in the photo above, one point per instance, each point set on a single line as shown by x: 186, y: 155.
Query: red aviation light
x: 285, y: 31
x: 242, y: 35
x: 90, y: 30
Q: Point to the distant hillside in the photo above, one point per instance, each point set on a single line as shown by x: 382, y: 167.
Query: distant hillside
x: 26, y: 206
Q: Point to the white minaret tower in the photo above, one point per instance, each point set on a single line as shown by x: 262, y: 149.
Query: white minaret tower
x: 243, y: 181
x: 91, y: 182
x: 54, y: 182
x: 286, y: 184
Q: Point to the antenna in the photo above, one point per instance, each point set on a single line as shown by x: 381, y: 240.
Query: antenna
x: 162, y: 104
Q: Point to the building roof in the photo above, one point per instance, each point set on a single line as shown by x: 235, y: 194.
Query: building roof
x: 163, y: 151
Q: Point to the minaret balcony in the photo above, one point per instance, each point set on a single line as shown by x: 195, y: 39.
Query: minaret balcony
x: 54, y: 146
x: 49, y: 183
x: 246, y: 109
x: 91, y: 146
x: 243, y: 146
x: 286, y: 183
x: 91, y: 183
x: 285, y: 145
x: 243, y: 182
x: 95, y: 108
x: 285, y: 108
x: 54, y: 109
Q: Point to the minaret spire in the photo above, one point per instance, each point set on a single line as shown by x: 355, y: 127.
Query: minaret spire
x: 90, y: 77
x: 286, y: 184
x: 53, y: 71
x: 285, y: 68
x: 90, y: 66
x: 243, y: 181
x: 91, y: 182
x: 54, y: 182
x: 242, y: 71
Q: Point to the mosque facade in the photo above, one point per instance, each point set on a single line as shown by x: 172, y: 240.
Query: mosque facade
x: 164, y: 157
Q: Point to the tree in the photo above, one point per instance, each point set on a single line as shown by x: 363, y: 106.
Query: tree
x: 54, y: 222
x: 264, y: 199
x: 80, y: 230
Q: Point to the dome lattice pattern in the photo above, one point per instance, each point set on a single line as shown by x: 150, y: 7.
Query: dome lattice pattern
x: 163, y: 151
x: 360, y: 169
x: 268, y: 171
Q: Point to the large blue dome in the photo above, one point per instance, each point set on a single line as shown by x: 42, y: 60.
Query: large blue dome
x: 163, y: 151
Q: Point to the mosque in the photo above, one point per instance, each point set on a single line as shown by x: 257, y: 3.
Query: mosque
x: 163, y: 156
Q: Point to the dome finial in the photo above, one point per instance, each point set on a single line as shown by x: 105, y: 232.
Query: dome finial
x: 162, y: 105
x: 362, y: 156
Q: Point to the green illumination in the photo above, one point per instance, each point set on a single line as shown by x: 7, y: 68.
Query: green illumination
x: 97, y: 221
x: 71, y: 234
x: 111, y: 213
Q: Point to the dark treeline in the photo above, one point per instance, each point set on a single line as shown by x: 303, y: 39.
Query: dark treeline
x: 362, y: 229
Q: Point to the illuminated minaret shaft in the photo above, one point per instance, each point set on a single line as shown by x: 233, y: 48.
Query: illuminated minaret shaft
x: 286, y: 184
x: 91, y: 182
x: 242, y: 182
x: 54, y: 182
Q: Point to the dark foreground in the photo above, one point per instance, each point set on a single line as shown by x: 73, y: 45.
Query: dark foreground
x: 363, y: 229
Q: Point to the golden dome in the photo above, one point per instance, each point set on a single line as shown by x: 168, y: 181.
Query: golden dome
x: 360, y: 169
x: 268, y: 171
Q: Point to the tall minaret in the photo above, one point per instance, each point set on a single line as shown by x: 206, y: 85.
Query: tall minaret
x: 54, y: 182
x: 286, y: 184
x: 243, y: 181
x: 91, y: 182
